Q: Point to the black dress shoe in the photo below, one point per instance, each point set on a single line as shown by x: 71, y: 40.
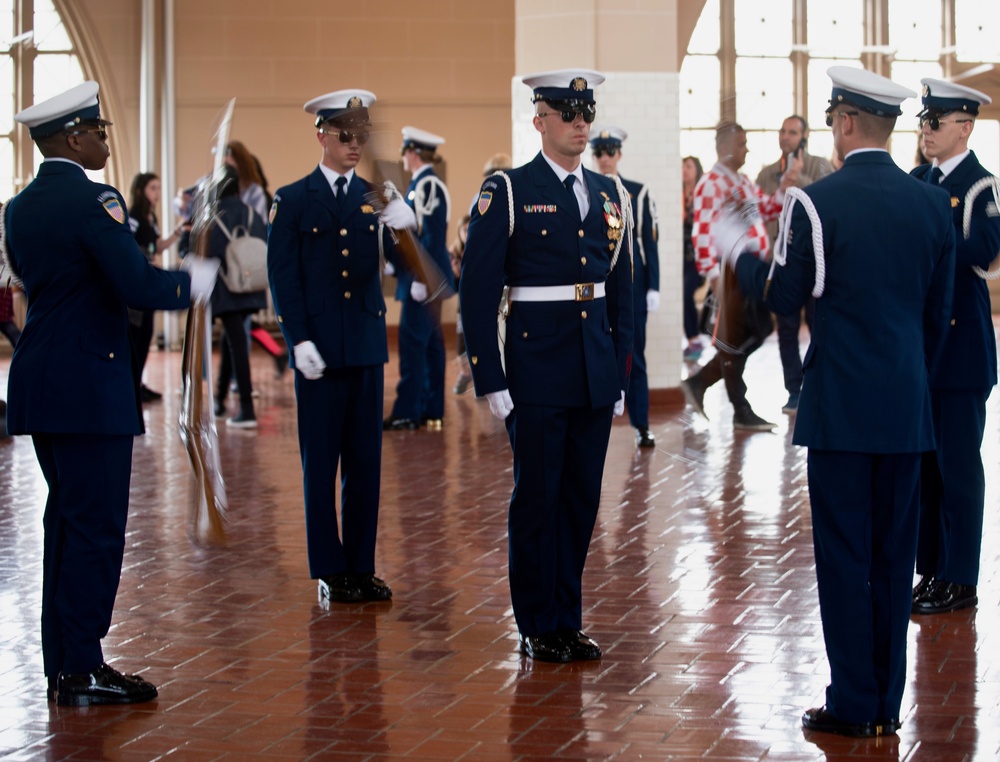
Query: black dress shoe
x: 102, y: 686
x: 372, y: 588
x: 580, y: 646
x: 148, y: 395
x: 945, y: 596
x: 823, y: 721
x: 52, y: 684
x: 400, y: 424
x: 340, y: 588
x: 547, y: 647
x: 645, y: 438
x: 923, y: 586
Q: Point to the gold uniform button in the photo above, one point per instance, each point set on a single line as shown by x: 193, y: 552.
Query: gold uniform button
x: 178, y: 291
x: 545, y: 232
x: 280, y: 320
x: 315, y: 230
x: 343, y: 231
x: 111, y: 356
x: 475, y: 359
x: 524, y: 335
x: 347, y: 294
x: 380, y: 313
x: 371, y: 227
x: 584, y: 314
x: 343, y: 274
x: 579, y: 233
x: 345, y: 252
x: 583, y: 260
x: 611, y: 247
x: 953, y: 321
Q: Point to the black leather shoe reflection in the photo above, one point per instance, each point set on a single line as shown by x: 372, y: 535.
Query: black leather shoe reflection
x: 372, y: 588
x: 547, y: 647
x: 400, y: 424
x: 823, y: 721
x: 945, y: 596
x: 102, y: 686
x: 580, y: 646
x: 340, y: 588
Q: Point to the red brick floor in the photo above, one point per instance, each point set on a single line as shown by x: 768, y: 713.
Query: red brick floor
x: 699, y: 586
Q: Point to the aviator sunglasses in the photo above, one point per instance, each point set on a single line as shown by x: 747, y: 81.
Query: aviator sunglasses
x: 934, y: 122
x: 610, y: 151
x: 569, y: 112
x: 102, y: 134
x: 831, y: 115
x: 345, y: 136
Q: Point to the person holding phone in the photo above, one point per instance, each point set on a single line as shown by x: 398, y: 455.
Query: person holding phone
x: 806, y: 169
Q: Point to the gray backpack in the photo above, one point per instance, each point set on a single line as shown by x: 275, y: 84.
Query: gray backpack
x: 246, y: 259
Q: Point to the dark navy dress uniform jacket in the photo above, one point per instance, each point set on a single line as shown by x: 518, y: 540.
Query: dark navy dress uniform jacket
x: 646, y: 275
x: 561, y: 354
x: 871, y: 340
x: 72, y: 371
x: 969, y: 360
x: 328, y: 254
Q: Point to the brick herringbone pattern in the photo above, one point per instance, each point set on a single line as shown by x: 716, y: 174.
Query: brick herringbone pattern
x: 699, y: 587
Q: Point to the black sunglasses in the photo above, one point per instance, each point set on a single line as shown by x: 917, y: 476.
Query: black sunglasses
x: 345, y: 136
x: 102, y: 134
x: 610, y: 151
x: 831, y: 115
x: 934, y: 122
x: 569, y: 113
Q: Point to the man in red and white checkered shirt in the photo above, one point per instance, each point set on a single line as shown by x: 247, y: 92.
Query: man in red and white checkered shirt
x: 725, y: 186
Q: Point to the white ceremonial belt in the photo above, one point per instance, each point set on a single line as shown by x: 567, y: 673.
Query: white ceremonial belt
x: 578, y: 292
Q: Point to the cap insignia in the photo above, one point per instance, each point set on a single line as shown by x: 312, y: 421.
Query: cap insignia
x: 605, y: 134
x: 579, y: 84
x: 927, y: 90
x: 354, y: 102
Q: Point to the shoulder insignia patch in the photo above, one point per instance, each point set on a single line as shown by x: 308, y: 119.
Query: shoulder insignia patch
x: 112, y: 206
x: 485, y: 199
x: 274, y: 210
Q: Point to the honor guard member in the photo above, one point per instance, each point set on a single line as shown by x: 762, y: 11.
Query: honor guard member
x: 324, y: 249
x: 74, y: 381
x: 552, y: 236
x: 606, y: 145
x: 953, y: 485
x: 420, y: 391
x: 882, y: 279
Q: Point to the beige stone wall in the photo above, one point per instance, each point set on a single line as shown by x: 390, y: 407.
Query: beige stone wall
x: 444, y: 66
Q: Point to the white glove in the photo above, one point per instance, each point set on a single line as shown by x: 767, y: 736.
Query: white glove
x: 620, y: 404
x: 398, y: 215
x: 388, y: 269
x: 203, y: 273
x: 729, y: 236
x: 500, y: 403
x: 652, y: 300
x: 308, y: 360
x: 418, y: 291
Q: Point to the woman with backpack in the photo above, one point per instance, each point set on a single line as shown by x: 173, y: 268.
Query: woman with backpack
x: 230, y: 307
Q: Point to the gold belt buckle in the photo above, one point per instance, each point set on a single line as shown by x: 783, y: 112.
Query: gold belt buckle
x: 584, y: 292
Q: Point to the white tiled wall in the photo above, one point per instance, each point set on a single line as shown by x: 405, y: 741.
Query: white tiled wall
x: 645, y: 105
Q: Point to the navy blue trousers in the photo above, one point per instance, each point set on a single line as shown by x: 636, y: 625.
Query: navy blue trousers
x: 637, y: 397
x: 788, y: 327
x: 340, y: 423
x: 84, y: 521
x: 420, y: 391
x: 953, y: 488
x: 558, y: 467
x: 864, y: 512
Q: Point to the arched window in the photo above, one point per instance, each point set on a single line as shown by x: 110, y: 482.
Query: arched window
x: 37, y: 61
x: 758, y: 63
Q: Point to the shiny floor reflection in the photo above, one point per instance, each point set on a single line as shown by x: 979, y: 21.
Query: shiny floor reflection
x: 699, y: 586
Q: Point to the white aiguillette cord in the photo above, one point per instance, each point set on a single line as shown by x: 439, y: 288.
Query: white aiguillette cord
x: 780, y: 254
x: 970, y: 198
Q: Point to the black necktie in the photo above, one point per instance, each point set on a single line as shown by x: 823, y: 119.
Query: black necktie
x: 341, y: 184
x: 935, y: 176
x: 568, y: 182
